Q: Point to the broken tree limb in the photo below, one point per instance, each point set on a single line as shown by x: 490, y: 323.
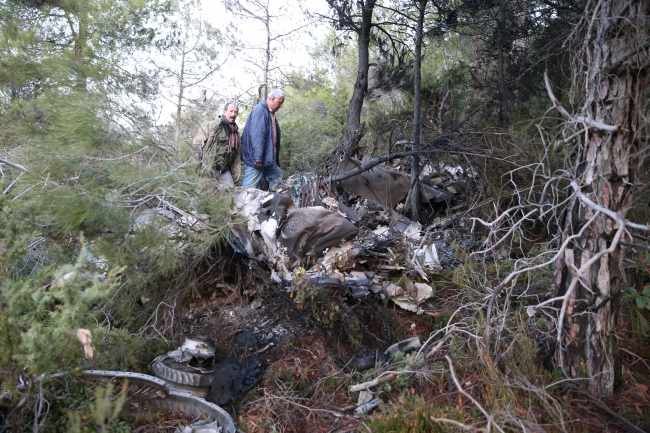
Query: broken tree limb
x: 631, y: 244
x: 11, y: 164
x: 377, y: 381
x: 385, y: 158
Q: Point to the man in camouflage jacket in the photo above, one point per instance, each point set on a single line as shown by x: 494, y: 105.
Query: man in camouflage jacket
x: 218, y: 147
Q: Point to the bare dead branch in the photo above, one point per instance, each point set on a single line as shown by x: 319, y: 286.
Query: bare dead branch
x: 377, y: 381
x: 576, y: 119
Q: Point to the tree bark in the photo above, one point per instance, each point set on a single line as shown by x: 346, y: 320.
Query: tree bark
x: 354, y: 127
x: 607, y: 162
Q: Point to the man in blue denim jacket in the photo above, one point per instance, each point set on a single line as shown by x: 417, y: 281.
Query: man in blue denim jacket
x: 261, y: 143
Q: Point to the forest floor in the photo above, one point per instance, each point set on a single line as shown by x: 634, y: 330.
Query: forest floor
x: 309, y: 362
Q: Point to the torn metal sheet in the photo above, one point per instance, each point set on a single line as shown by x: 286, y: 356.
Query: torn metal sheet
x: 366, y: 408
x: 265, y: 212
x: 411, y: 301
x: 383, y: 185
x: 364, y: 397
x: 201, y: 427
x: 337, y: 257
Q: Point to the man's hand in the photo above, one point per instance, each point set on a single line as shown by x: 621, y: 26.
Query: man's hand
x: 258, y: 164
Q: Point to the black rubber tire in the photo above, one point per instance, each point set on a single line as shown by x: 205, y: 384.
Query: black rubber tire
x: 169, y: 370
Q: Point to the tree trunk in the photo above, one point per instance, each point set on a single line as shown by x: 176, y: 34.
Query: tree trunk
x: 607, y: 161
x: 179, y: 102
x: 354, y: 127
x: 503, y: 108
x: 414, y: 196
x: 267, y: 53
x: 80, y: 46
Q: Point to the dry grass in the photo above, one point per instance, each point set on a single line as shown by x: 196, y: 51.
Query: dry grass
x: 303, y: 391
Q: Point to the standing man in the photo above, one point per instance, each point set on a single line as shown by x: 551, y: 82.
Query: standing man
x: 219, y: 148
x: 261, y: 143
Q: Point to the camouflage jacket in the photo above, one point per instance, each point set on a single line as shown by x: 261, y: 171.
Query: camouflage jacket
x: 211, y: 147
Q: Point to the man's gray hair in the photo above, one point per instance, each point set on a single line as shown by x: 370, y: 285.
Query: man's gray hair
x: 228, y: 104
x: 275, y: 94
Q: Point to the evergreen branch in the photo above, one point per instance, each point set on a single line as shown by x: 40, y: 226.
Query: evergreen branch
x: 118, y: 158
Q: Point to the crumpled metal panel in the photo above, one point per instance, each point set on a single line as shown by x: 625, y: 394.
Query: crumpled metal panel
x: 383, y: 185
x: 313, y: 229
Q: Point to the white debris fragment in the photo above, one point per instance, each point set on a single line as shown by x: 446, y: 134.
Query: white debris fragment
x: 427, y: 256
x: 531, y: 311
x: 85, y: 337
x: 413, y: 231
x: 381, y: 230
x: 364, y: 397
x: 393, y: 290
x: 268, y: 229
x: 275, y: 277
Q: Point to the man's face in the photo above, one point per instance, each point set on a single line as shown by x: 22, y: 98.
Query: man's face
x: 275, y: 103
x: 231, y: 113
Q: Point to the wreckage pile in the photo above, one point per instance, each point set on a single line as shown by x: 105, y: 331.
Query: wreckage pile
x: 359, y: 240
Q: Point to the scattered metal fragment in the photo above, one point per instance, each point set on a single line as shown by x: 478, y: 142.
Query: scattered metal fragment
x: 202, y: 427
x: 405, y: 346
x: 366, y: 408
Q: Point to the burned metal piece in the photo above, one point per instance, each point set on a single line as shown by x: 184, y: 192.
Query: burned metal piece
x: 405, y: 346
x: 193, y: 368
x: 275, y: 206
x: 232, y: 379
x: 384, y: 185
x: 188, y: 368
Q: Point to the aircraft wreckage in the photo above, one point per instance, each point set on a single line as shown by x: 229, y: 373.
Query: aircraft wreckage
x: 334, y: 242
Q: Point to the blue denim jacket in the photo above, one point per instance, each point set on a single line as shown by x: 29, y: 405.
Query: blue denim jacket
x: 257, y: 138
